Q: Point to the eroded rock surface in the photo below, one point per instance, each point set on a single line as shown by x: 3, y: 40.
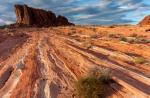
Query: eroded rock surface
x: 46, y: 62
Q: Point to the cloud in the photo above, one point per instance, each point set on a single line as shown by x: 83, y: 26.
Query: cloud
x: 104, y: 12
x: 2, y: 21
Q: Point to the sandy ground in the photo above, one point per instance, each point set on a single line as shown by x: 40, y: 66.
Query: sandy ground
x: 45, y: 62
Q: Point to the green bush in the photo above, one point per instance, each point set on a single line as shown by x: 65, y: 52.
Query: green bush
x: 94, y: 85
x: 90, y: 87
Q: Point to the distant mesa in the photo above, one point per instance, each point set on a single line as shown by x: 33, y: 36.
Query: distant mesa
x: 145, y: 21
x: 38, y: 17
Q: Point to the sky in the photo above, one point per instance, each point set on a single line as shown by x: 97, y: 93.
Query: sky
x: 84, y: 12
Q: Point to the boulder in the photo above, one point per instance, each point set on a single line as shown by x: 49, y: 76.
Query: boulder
x: 38, y: 17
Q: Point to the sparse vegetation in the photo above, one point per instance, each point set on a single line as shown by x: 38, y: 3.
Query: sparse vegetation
x: 71, y: 33
x: 135, y: 40
x: 139, y: 60
x: 94, y: 85
x: 112, y: 26
x: 123, y: 39
x: 112, y: 35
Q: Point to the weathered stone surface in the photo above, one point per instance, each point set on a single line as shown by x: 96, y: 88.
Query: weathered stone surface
x: 61, y: 20
x: 145, y: 21
x: 38, y: 17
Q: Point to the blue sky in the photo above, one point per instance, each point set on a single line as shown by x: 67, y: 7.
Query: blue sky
x: 103, y: 12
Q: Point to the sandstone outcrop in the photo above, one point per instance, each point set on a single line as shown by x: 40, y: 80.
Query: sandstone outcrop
x: 38, y: 17
x: 46, y: 63
x: 145, y: 21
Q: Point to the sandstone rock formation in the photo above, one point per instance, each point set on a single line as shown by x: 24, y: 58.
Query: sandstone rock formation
x: 30, y: 16
x: 45, y: 62
x: 145, y: 21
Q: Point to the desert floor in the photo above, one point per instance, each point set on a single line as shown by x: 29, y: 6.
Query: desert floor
x: 45, y: 62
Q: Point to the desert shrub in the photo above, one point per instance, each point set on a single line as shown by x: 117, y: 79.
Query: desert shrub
x: 115, y: 35
x: 90, y: 87
x: 112, y: 26
x: 103, y: 74
x: 123, y: 39
x: 139, y: 60
x: 71, y: 33
x: 94, y: 85
x: 112, y: 35
x: 142, y: 40
x: 131, y: 40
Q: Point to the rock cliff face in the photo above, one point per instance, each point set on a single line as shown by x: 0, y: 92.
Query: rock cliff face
x: 38, y: 17
x: 145, y: 21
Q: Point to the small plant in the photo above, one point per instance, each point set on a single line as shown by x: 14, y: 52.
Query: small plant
x: 112, y: 35
x: 71, y: 33
x: 93, y: 86
x: 112, y: 26
x: 139, y: 60
x: 123, y: 39
x: 131, y: 40
x: 104, y: 74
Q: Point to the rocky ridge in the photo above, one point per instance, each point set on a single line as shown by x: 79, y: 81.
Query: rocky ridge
x: 145, y: 21
x: 38, y: 17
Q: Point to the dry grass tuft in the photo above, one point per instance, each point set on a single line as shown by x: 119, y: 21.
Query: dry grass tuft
x: 94, y: 85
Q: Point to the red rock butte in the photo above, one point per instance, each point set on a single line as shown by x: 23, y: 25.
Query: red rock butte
x: 38, y: 17
x: 145, y: 21
x: 47, y: 62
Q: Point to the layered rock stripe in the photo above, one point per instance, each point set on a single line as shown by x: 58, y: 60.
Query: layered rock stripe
x: 46, y: 62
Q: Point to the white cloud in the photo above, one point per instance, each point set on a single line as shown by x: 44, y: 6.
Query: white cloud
x: 91, y: 11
